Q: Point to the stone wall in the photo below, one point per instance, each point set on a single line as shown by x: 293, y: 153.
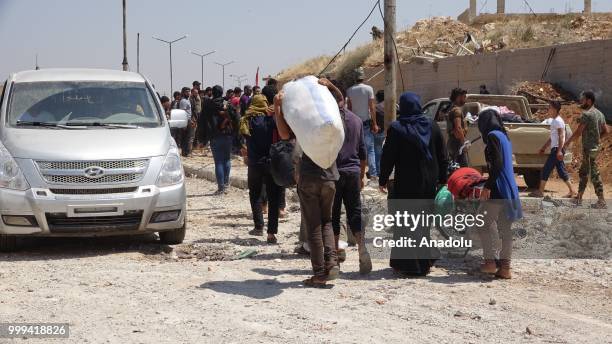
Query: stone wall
x: 575, y: 67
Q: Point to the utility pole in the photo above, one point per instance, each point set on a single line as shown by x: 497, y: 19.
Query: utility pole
x: 390, y: 64
x: 501, y: 6
x: 125, y: 61
x: 202, y: 60
x: 170, y: 45
x: 587, y: 7
x: 223, y: 68
x: 37, y: 67
x: 138, y: 52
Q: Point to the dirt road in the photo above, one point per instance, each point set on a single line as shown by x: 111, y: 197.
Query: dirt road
x: 136, y: 291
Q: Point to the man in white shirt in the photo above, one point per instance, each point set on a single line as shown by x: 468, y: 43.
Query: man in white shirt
x: 555, y: 158
x: 361, y: 102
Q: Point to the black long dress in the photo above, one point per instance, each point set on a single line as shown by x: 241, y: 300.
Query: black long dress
x: 413, y: 188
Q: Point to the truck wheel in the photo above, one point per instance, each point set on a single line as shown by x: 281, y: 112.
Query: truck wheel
x: 173, y: 237
x: 8, y: 243
x: 532, y: 179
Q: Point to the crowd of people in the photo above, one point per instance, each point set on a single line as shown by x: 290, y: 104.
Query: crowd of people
x: 408, y: 161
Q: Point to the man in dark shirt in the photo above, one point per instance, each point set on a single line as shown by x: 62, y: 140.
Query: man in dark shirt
x: 259, y: 134
x: 316, y: 189
x: 351, y: 162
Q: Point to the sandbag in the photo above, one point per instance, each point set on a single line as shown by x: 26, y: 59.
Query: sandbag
x: 312, y: 114
x: 281, y: 163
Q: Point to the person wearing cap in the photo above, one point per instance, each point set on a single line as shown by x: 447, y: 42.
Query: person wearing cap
x: 457, y: 126
x: 361, y: 102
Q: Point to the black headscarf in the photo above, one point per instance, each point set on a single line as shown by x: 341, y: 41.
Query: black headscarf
x: 270, y: 92
x: 413, y: 124
x: 488, y: 121
x: 217, y: 92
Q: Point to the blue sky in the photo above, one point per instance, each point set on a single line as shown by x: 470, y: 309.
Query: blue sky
x: 272, y: 34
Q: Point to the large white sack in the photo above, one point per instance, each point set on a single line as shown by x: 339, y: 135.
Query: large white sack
x: 312, y: 113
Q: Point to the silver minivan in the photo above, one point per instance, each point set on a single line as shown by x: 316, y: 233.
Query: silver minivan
x: 87, y: 152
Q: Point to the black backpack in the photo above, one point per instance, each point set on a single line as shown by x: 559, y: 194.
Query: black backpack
x: 281, y: 163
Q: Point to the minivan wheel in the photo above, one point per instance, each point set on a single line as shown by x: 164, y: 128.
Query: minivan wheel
x: 8, y: 243
x: 532, y: 179
x: 173, y: 237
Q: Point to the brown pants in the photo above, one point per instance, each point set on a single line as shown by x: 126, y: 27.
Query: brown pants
x: 316, y: 200
x: 495, y: 216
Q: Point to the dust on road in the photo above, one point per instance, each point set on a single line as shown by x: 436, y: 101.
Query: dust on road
x: 120, y: 290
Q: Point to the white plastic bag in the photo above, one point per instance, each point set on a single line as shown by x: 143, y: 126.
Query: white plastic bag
x: 312, y: 113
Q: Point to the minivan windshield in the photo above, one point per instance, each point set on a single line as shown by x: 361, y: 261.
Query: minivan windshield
x: 111, y: 104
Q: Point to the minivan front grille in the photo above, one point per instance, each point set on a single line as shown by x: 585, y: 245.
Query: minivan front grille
x: 104, y: 191
x: 93, y: 172
x: 61, y: 223
x: 81, y: 165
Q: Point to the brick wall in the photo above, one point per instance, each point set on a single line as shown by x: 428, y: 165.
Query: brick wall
x: 575, y: 67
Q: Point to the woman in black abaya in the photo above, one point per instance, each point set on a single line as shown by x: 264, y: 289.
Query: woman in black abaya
x: 414, y: 149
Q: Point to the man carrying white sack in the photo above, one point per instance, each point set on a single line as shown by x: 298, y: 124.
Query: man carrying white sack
x: 316, y: 189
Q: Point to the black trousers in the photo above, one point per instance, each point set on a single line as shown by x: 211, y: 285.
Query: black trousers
x: 187, y: 137
x: 258, y: 176
x: 348, y: 191
x: 282, y: 201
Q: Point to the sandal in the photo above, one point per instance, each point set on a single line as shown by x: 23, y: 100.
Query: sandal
x: 599, y: 205
x: 314, y: 282
x: 256, y: 232
x: 301, y: 251
x: 536, y: 194
x: 577, y: 201
x: 341, y: 255
x: 272, y: 240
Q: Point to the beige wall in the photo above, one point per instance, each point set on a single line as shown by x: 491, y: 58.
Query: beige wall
x: 575, y: 67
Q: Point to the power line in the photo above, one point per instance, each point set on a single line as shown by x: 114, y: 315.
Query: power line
x: 529, y: 6
x: 351, y: 38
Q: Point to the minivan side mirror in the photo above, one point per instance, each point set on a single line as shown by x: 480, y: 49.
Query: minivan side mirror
x: 178, y: 119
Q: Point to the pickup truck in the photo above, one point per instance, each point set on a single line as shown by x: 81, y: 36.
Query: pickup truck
x: 526, y: 138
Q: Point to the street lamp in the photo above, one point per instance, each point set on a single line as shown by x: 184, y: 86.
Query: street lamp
x: 125, y: 61
x: 170, y: 45
x: 223, y: 67
x: 239, y: 78
x: 202, y: 58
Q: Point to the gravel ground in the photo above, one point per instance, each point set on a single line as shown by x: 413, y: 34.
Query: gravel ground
x: 132, y: 290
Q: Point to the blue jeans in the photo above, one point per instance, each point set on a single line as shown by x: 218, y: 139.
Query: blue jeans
x: 551, y: 163
x: 374, y: 145
x: 221, y: 147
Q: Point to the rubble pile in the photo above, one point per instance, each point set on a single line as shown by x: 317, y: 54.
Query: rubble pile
x: 440, y: 37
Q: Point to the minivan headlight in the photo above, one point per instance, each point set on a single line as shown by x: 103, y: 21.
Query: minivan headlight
x: 172, y: 170
x: 11, y: 176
